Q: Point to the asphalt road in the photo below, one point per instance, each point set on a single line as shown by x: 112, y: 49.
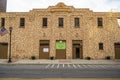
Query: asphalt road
x: 59, y: 71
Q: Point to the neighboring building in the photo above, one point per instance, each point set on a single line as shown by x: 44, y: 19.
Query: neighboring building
x: 63, y: 32
x: 3, y: 5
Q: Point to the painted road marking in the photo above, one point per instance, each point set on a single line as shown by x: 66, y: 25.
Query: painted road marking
x: 58, y: 65
x: 79, y: 66
x: 47, y: 66
x: 52, y: 65
x: 68, y: 65
x: 63, y: 65
x: 74, y: 66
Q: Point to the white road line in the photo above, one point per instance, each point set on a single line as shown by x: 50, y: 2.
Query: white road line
x: 68, y: 65
x: 52, y: 65
x: 74, y: 66
x: 63, y: 65
x: 47, y: 66
x: 93, y: 66
x: 79, y: 66
x: 58, y: 65
x: 90, y: 66
x: 84, y: 66
x: 97, y: 66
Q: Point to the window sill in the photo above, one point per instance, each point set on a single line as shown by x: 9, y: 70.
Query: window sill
x: 22, y: 27
x: 60, y: 27
x: 44, y: 27
x: 76, y: 27
x: 100, y: 26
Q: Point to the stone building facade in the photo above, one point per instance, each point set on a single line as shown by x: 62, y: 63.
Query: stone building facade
x: 62, y: 32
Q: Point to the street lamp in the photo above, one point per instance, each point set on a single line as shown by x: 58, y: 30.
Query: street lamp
x: 9, y: 61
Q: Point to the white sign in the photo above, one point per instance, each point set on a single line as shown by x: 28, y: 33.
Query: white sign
x: 45, y: 49
x: 118, y: 20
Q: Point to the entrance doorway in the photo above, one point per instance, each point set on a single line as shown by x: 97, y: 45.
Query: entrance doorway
x: 44, y: 49
x: 77, y: 49
x: 117, y: 50
x: 60, y: 49
x: 3, y: 50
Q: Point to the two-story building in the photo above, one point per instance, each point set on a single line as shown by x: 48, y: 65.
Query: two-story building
x: 61, y: 31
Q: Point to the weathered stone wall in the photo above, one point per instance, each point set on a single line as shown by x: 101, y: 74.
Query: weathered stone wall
x: 25, y: 41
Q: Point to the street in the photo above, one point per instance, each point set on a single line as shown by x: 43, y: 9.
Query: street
x: 59, y: 71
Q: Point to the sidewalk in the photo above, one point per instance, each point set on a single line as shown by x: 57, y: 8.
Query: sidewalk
x: 63, y: 61
x: 61, y: 79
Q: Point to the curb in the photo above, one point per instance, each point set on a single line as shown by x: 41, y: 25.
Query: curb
x: 36, y: 62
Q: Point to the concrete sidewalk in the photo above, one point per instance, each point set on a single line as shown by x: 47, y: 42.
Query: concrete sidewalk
x: 61, y: 79
x: 63, y: 61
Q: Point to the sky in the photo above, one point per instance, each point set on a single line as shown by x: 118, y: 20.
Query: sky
x: 95, y: 5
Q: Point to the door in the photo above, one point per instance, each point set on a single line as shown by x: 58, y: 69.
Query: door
x: 77, y: 49
x: 44, y: 49
x: 117, y: 50
x: 60, y: 49
x: 3, y: 50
